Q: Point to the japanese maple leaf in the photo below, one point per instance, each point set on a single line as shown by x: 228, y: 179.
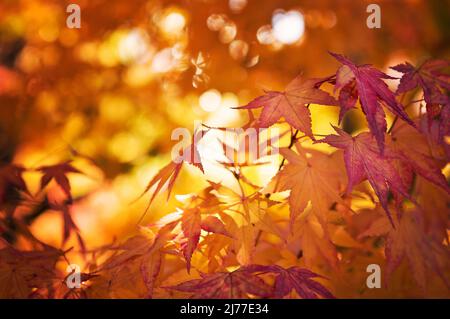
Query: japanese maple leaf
x: 69, y: 224
x: 291, y: 104
x: 144, y: 252
x: 23, y: 271
x: 192, y: 223
x: 410, y: 242
x: 194, y: 218
x: 363, y: 160
x: 169, y: 173
x: 311, y: 176
x: 429, y: 76
x: 313, y: 240
x: 58, y: 173
x: 295, y: 278
x: 11, y: 177
x: 150, y: 268
x: 140, y: 245
x: 191, y: 226
x: 238, y: 284
x: 250, y: 217
x: 213, y: 224
x: 415, y: 157
x: 372, y: 91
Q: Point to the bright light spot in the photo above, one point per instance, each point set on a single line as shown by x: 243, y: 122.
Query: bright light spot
x: 228, y: 32
x: 237, y: 5
x: 215, y: 22
x: 163, y: 61
x: 265, y: 34
x: 210, y: 100
x: 225, y: 115
x: 173, y: 23
x: 238, y: 49
x: 230, y: 100
x: 288, y: 27
x: 178, y: 51
x: 134, y: 46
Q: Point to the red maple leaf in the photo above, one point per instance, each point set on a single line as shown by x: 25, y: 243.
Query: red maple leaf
x: 59, y: 173
x: 295, y: 278
x: 363, y: 160
x: 371, y: 91
x: 291, y: 104
x: 413, y: 150
x: 434, y: 83
x: 69, y: 223
x: 169, y: 173
x: 190, y: 224
x: 226, y: 285
x: 429, y: 77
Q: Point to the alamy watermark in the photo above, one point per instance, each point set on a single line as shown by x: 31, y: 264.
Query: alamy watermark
x: 73, y: 21
x: 237, y: 145
x: 73, y: 280
x: 374, y: 19
x: 374, y: 279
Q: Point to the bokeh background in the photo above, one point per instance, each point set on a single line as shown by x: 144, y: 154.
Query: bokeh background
x: 107, y: 96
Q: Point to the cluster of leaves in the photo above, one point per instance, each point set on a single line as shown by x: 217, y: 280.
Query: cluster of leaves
x: 262, y: 241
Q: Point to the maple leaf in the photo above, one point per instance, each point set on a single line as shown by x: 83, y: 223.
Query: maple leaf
x: 295, y: 278
x: 210, y: 224
x: 423, y: 254
x: 415, y: 157
x: 69, y: 224
x: 23, y: 271
x: 140, y: 245
x: 428, y: 76
x: 372, y: 91
x: 311, y: 176
x: 409, y: 241
x: 213, y: 224
x: 190, y: 224
x: 59, y: 173
x: 376, y: 223
x: 364, y: 161
x: 150, y: 268
x: 291, y: 104
x: 142, y: 252
x: 212, y: 248
x: 169, y: 173
x: 314, y: 241
x: 250, y: 216
x: 237, y: 284
x: 434, y: 202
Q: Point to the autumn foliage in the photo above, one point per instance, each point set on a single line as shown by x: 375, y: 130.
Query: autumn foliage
x: 301, y: 221
x: 218, y: 232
